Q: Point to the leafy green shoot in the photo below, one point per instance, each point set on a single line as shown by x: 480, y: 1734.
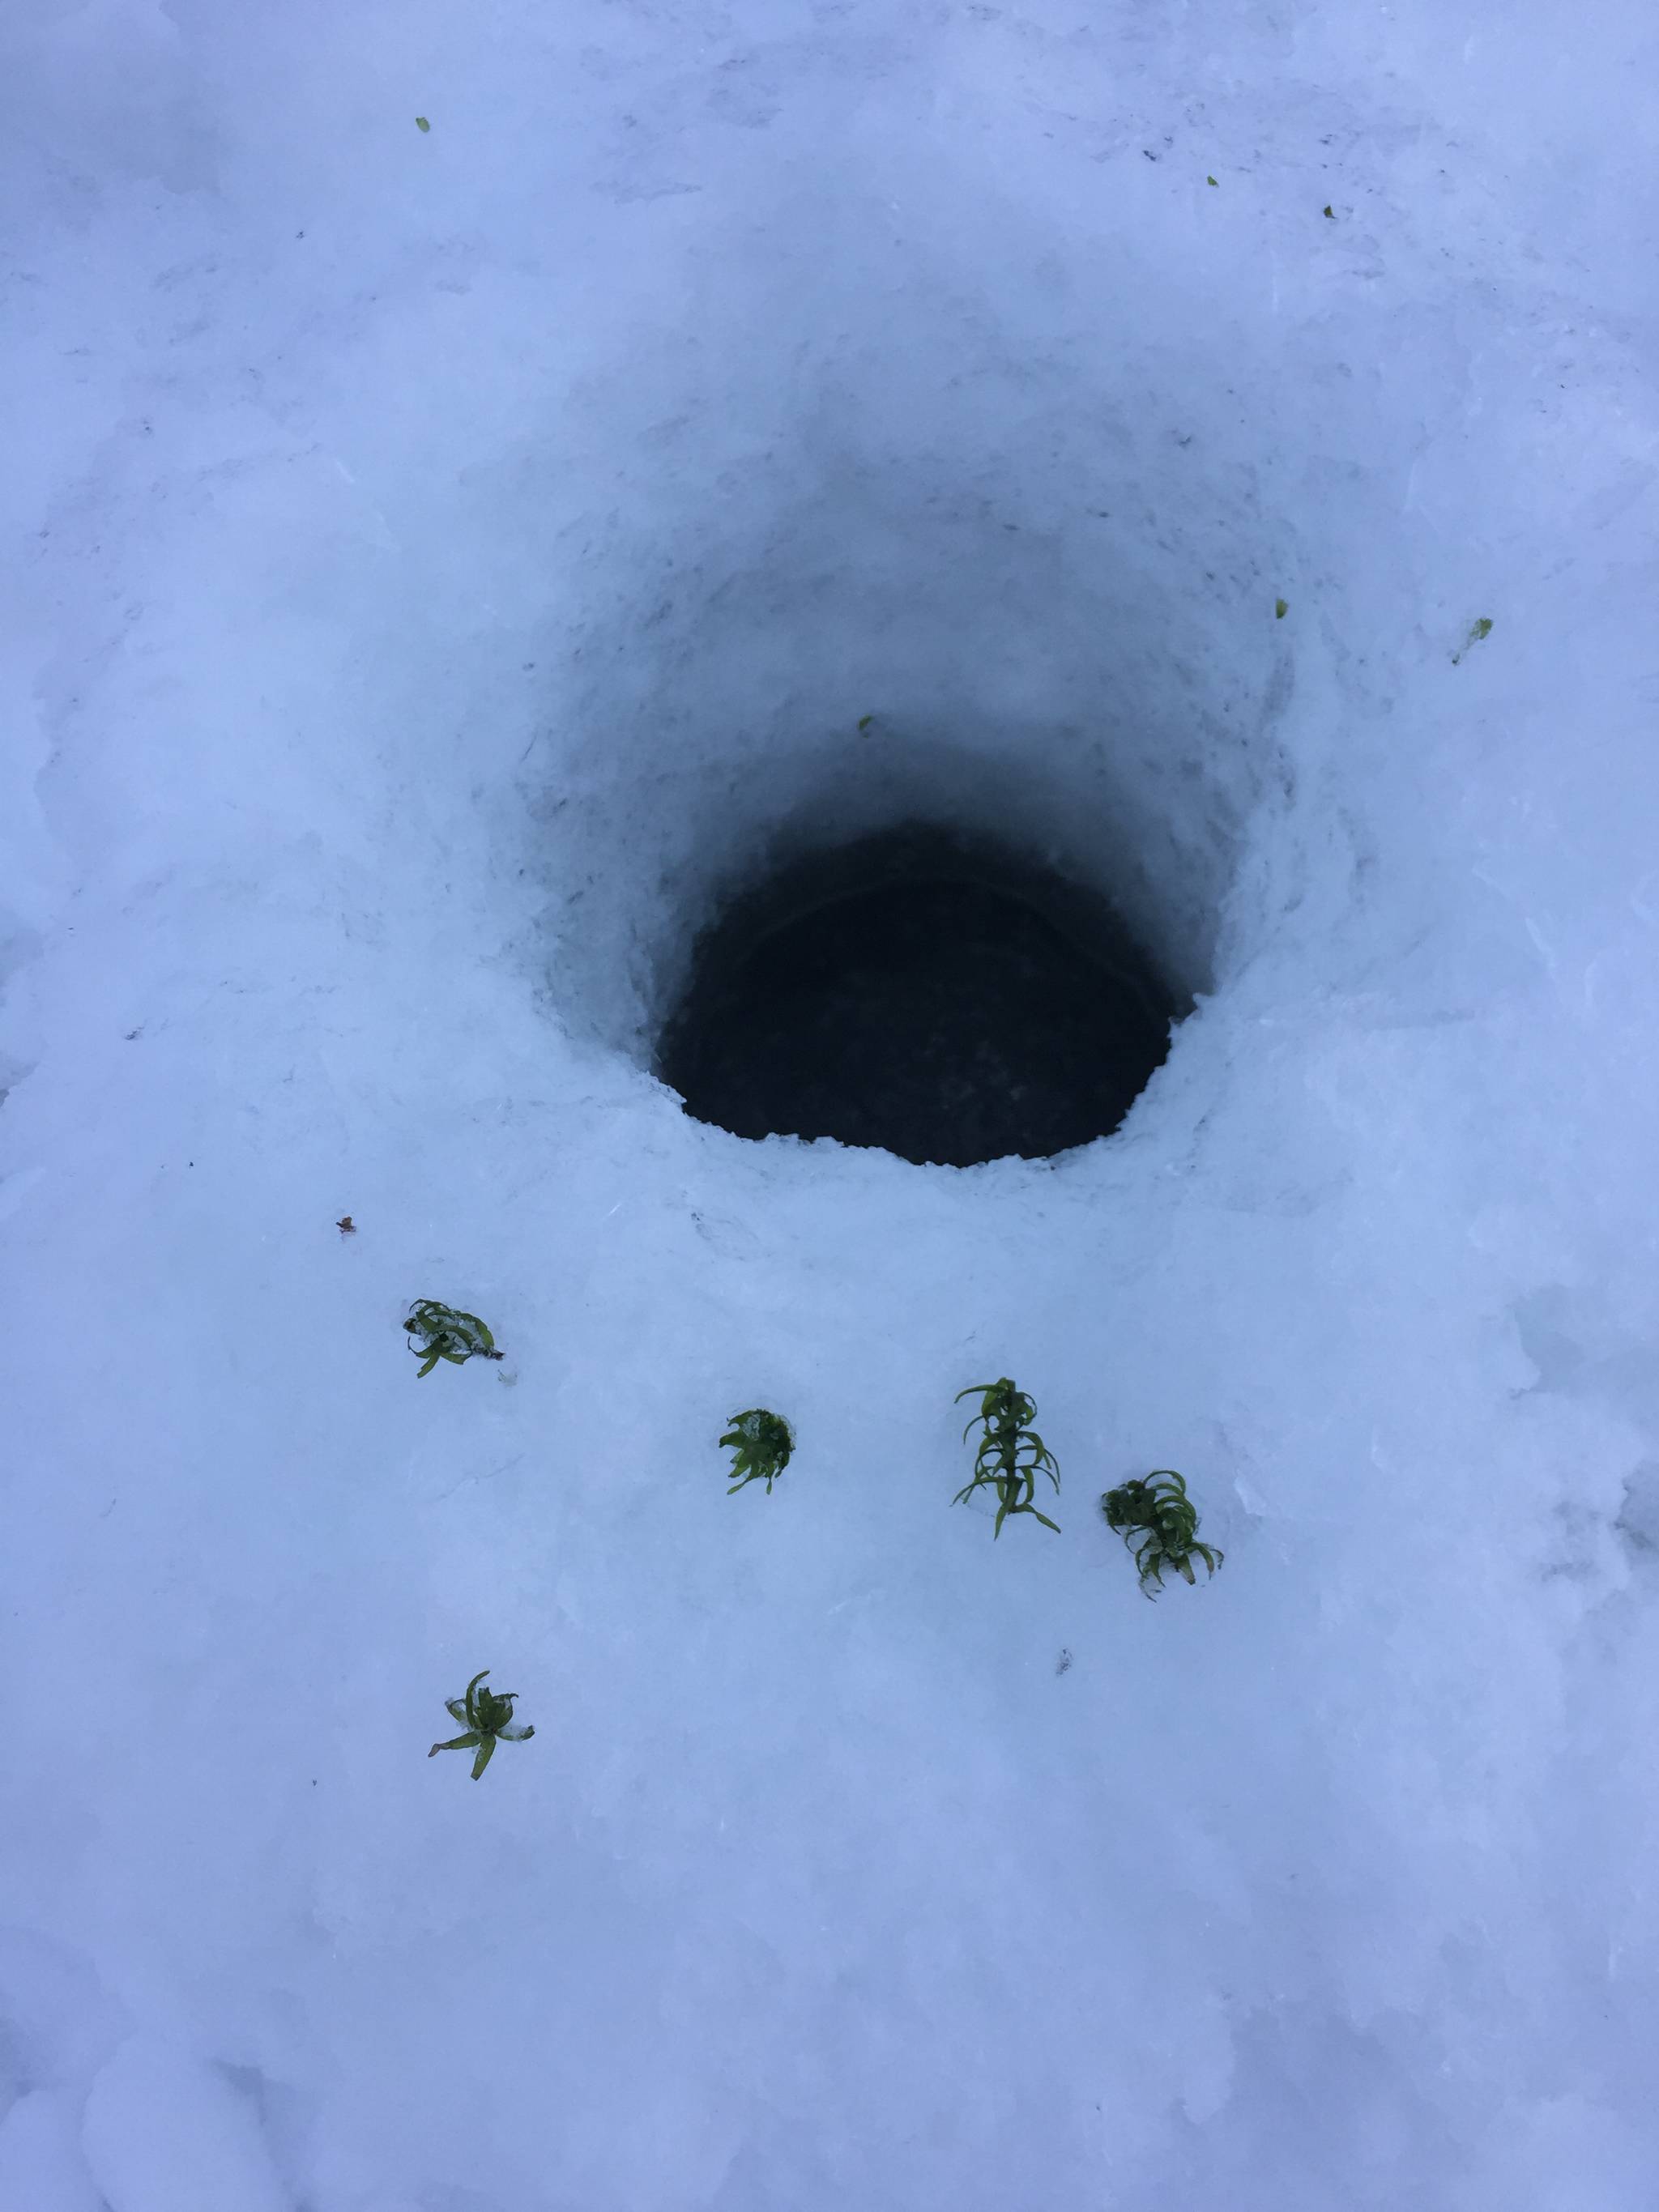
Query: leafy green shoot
x: 1159, y: 1523
x: 761, y: 1443
x: 1477, y: 631
x: 1011, y: 1454
x: 445, y: 1332
x: 486, y: 1716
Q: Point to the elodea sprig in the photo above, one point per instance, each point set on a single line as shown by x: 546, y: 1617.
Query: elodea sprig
x: 1011, y: 1453
x: 1159, y: 1523
x: 445, y: 1332
x: 487, y: 1715
x: 761, y: 1444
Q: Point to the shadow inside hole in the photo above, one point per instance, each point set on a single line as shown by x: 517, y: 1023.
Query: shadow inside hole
x: 921, y: 993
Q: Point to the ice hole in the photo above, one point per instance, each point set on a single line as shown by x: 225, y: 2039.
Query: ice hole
x: 927, y: 993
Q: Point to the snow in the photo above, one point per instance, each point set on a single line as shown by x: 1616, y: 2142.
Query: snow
x: 440, y: 562
x: 164, y: 2131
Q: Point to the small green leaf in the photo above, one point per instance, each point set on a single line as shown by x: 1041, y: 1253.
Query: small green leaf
x: 1209, y: 180
x: 865, y: 720
x: 1482, y: 629
x: 1281, y: 608
x: 421, y: 123
x: 1331, y: 216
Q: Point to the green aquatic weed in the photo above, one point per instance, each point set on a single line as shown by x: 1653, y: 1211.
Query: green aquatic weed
x: 1477, y: 631
x: 487, y: 1715
x: 761, y: 1444
x: 445, y: 1332
x: 1011, y: 1454
x: 1159, y: 1523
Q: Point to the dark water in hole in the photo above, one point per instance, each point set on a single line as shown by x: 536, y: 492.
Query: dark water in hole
x: 934, y: 1014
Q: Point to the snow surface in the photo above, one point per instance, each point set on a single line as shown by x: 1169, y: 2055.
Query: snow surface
x: 440, y: 561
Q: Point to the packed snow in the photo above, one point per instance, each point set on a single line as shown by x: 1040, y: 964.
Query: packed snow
x: 444, y: 561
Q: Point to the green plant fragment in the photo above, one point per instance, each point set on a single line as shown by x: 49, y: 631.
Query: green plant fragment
x: 1159, y: 1523
x: 446, y: 1333
x: 421, y: 123
x: 1011, y: 1454
x: 1281, y: 608
x: 761, y: 1444
x: 487, y: 1715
